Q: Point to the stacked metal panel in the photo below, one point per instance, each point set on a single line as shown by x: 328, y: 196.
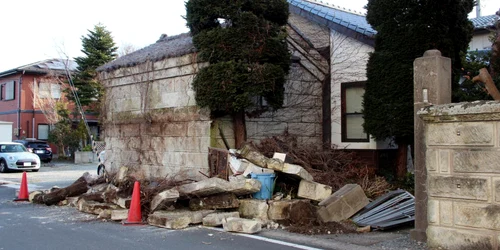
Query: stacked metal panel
x: 390, y: 210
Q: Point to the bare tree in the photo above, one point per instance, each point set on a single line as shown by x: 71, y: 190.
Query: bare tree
x: 126, y: 49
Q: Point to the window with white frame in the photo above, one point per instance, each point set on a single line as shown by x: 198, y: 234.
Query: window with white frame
x: 49, y: 90
x: 9, y: 91
x: 43, y: 131
x: 352, y: 116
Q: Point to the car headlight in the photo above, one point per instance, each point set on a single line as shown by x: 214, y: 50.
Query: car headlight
x: 11, y: 158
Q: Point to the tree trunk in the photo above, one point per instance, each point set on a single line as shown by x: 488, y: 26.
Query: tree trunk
x: 485, y: 77
x: 240, y: 130
x: 401, y: 161
x: 77, y: 188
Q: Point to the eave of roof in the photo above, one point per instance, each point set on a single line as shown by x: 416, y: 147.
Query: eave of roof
x: 344, y: 21
x: 42, y: 67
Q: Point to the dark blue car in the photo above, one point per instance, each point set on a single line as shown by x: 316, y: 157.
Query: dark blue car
x: 40, y: 148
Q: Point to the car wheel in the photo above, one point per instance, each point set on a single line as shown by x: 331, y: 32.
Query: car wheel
x: 100, y: 170
x: 3, y: 167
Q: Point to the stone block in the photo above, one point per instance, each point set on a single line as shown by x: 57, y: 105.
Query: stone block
x: 465, y: 161
x: 497, y: 189
x: 252, y: 155
x: 216, y: 219
x: 119, y: 214
x: 164, y: 198
x: 485, y: 216
x: 241, y: 225
x: 444, y: 161
x: 216, y: 201
x: 297, y: 171
x: 458, y: 187
x: 254, y: 209
x: 313, y: 190
x: 450, y: 238
x: 433, y: 211
x: 275, y: 164
x: 431, y: 160
x: 445, y: 214
x: 460, y: 133
x: 244, y: 186
x: 342, y: 204
x: 177, y: 219
x: 279, y: 210
x: 204, y: 187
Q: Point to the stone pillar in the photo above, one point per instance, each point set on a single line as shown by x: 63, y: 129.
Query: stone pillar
x: 432, y: 85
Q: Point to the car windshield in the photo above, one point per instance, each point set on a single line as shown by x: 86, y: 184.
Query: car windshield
x: 12, y: 148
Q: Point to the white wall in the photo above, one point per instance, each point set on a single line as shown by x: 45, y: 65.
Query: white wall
x: 348, y: 64
x: 480, y: 42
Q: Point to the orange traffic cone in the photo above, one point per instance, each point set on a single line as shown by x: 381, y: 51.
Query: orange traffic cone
x: 134, y: 213
x: 23, y: 191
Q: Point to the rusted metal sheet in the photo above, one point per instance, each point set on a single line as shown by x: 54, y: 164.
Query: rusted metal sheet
x: 218, y: 163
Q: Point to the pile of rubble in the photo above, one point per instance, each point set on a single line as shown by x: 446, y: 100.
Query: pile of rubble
x: 215, y: 201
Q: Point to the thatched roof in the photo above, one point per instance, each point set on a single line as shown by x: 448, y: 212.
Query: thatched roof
x: 165, y: 47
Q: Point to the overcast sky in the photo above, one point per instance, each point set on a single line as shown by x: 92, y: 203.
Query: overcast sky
x: 34, y: 30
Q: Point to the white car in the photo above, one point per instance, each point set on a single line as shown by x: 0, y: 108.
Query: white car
x: 14, y: 156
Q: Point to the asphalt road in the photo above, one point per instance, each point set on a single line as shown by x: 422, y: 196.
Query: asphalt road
x: 31, y: 226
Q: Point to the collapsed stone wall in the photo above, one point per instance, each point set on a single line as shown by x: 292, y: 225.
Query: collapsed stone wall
x: 152, y: 123
x: 463, y: 175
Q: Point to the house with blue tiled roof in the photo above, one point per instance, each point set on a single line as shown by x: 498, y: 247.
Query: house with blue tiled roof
x: 150, y: 103
x: 483, y: 26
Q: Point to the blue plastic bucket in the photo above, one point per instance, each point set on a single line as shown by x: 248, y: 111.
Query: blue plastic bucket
x: 266, y: 189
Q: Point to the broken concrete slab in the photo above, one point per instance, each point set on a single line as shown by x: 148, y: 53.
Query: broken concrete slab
x: 98, y: 188
x: 342, y: 204
x: 252, y: 168
x: 216, y: 219
x: 122, y: 202
x: 92, y: 207
x: 237, y: 165
x: 72, y: 201
x: 313, y: 190
x: 204, y: 187
x: 244, y: 186
x: 105, y: 214
x: 216, y: 201
x: 164, y: 198
x: 280, y: 156
x: 241, y: 225
x: 254, y: 209
x: 252, y: 155
x: 177, y: 219
x: 119, y: 214
x: 279, y: 210
x: 297, y: 170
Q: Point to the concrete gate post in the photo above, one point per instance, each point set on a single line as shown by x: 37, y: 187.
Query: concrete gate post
x: 432, y: 85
